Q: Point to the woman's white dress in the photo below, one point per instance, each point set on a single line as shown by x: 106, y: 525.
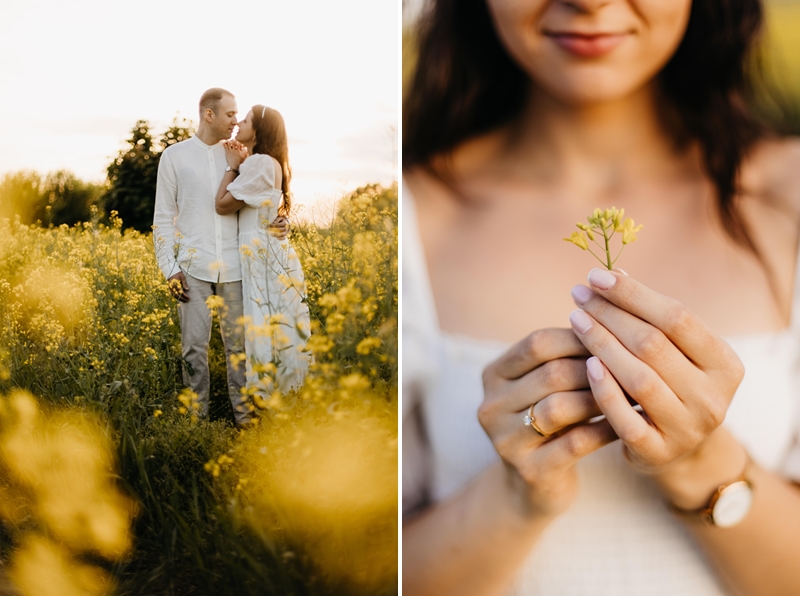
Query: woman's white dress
x: 619, y: 538
x: 277, y: 324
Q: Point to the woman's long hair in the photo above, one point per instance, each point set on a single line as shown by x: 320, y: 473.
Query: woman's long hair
x: 271, y: 140
x: 466, y: 84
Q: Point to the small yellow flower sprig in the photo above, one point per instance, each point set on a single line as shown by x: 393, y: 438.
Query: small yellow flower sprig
x: 606, y: 224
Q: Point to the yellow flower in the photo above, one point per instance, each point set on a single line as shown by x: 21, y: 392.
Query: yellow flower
x: 605, y: 222
x: 215, y: 301
x: 618, y: 220
x: 629, y: 231
x: 579, y: 240
x: 365, y: 346
x: 586, y: 229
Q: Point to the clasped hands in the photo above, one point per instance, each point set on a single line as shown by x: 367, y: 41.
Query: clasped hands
x: 642, y: 345
x: 235, y: 153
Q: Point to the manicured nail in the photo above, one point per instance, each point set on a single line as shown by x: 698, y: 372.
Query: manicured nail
x: 600, y: 278
x: 580, y: 321
x: 581, y: 295
x: 594, y: 368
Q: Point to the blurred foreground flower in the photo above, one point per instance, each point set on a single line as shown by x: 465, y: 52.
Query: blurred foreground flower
x: 330, y: 484
x: 605, y: 223
x: 58, y: 498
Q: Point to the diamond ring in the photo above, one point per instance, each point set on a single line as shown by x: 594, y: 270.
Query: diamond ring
x: 529, y: 420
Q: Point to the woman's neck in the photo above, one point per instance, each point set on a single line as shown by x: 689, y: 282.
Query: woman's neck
x: 606, y: 144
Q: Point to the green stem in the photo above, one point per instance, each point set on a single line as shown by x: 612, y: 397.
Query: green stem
x: 619, y: 253
x: 609, y: 265
x: 595, y: 256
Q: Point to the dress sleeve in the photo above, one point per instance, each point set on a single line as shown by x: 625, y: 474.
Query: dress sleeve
x: 256, y: 180
x: 419, y: 365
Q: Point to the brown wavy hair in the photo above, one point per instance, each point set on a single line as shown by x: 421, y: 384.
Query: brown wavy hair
x: 271, y: 140
x: 465, y: 84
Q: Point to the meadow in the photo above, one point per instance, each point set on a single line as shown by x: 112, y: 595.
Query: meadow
x: 110, y: 483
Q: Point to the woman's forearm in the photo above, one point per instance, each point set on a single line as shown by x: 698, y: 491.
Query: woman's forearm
x: 472, y: 544
x: 224, y: 202
x: 757, y: 557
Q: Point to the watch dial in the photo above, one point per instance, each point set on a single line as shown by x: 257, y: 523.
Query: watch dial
x: 733, y: 504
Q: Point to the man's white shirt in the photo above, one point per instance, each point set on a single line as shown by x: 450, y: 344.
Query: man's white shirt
x: 188, y: 233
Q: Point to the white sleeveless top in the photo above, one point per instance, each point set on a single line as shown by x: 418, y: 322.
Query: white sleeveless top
x: 618, y: 538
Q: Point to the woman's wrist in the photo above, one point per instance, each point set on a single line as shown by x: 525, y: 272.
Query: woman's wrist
x: 528, y: 504
x: 689, y: 482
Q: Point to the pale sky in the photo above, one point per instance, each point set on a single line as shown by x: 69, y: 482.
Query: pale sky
x: 75, y: 76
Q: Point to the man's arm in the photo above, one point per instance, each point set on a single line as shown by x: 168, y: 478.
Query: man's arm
x: 166, y: 210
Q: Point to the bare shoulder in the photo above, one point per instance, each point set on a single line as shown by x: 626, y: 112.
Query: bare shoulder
x: 770, y: 180
x: 445, y: 178
x: 771, y: 174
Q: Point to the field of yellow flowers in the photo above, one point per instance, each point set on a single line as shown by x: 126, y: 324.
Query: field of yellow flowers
x: 108, y: 484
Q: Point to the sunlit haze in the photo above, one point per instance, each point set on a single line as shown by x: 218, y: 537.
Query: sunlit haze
x: 76, y: 76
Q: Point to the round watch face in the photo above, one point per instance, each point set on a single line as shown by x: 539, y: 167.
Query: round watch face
x: 733, y: 504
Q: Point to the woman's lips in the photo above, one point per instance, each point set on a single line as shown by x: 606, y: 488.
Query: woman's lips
x: 588, y: 46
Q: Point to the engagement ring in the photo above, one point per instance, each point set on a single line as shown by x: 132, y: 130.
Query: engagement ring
x: 529, y: 420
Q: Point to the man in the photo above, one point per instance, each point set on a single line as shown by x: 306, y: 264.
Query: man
x: 198, y: 250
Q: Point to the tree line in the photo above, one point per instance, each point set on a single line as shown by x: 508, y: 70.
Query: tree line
x: 129, y: 189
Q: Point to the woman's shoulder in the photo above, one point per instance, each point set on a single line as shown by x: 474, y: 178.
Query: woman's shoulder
x: 265, y: 162
x: 259, y: 160
x: 771, y: 173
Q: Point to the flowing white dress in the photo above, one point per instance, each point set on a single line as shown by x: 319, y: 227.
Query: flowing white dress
x: 277, y: 324
x: 618, y: 538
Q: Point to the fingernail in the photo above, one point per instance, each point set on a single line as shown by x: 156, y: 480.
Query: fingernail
x: 594, y: 368
x: 581, y: 295
x: 600, y: 278
x: 580, y: 321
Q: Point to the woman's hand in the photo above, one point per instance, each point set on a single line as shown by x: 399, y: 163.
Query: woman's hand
x: 547, y: 370
x: 235, y: 153
x: 279, y: 228
x: 654, y: 349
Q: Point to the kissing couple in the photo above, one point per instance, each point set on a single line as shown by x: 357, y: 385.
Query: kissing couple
x: 220, y: 228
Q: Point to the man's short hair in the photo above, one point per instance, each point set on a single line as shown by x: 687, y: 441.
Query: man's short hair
x: 211, y: 98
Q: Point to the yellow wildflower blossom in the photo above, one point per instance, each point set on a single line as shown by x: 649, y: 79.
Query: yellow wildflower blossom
x: 605, y: 223
x: 579, y: 240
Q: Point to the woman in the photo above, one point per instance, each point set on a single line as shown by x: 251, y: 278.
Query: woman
x: 256, y: 184
x: 523, y: 117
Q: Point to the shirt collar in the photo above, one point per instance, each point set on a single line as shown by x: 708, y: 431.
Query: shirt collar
x: 202, y: 144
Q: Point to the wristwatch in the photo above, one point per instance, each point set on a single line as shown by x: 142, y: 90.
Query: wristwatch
x: 230, y: 169
x: 729, y: 504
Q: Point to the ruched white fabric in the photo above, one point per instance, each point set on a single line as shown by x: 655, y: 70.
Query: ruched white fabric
x: 273, y: 286
x: 618, y: 539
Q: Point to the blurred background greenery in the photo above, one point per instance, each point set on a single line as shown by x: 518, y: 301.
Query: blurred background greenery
x: 778, y: 98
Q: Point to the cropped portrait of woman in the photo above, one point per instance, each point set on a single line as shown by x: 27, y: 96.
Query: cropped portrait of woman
x: 622, y: 426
